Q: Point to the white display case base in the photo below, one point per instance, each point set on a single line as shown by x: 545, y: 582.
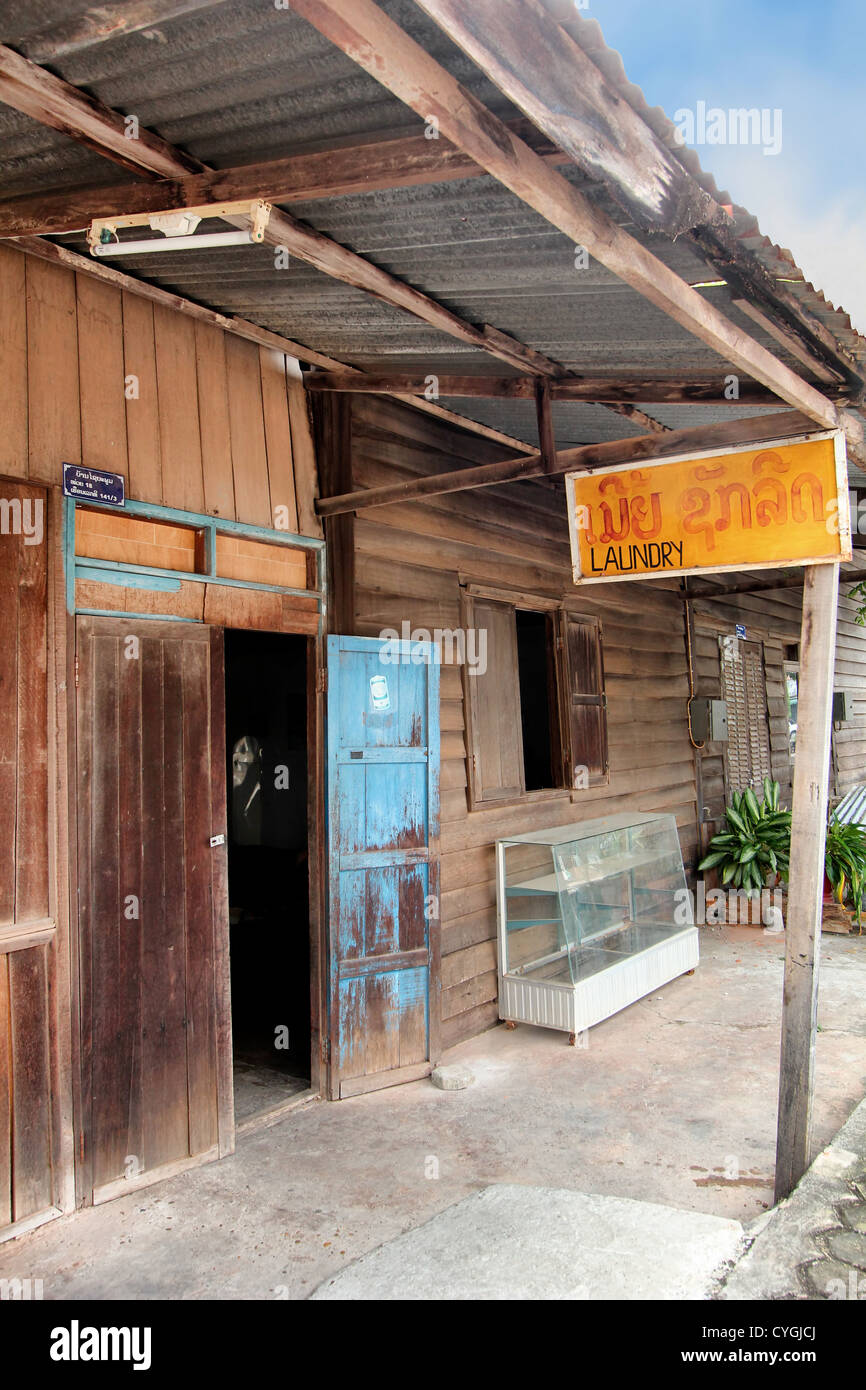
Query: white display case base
x: 572, y: 1008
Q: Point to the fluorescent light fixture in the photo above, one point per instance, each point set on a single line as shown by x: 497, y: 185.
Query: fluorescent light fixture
x: 172, y: 243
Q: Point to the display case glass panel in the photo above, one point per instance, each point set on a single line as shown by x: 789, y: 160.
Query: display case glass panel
x: 582, y: 899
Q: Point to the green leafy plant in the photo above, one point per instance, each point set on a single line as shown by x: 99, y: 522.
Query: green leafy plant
x: 859, y: 592
x: 845, y: 862
x: 756, y: 842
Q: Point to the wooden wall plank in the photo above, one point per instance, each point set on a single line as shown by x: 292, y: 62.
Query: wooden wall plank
x: 141, y: 400
x: 213, y: 411
x: 13, y: 363
x: 31, y: 1086
x: 31, y: 837
x: 252, y: 489
x: 101, y: 375
x: 303, y: 458
x: 10, y: 551
x: 182, y: 481
x: 5, y: 1096
x: 53, y: 408
x: 200, y: 1021
x: 278, y: 439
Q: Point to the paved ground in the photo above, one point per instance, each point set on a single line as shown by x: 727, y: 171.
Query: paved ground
x: 542, y: 1243
x: 672, y: 1102
x: 814, y: 1244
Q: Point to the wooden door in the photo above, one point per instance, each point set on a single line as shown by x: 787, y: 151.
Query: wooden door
x: 156, y: 1034
x: 383, y: 872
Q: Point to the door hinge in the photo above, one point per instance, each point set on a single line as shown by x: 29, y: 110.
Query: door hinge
x: 322, y: 681
x: 76, y: 670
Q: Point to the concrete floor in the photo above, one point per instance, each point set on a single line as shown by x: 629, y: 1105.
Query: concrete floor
x: 672, y: 1101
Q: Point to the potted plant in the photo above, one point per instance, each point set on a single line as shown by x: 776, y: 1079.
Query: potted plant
x: 752, y: 852
x: 845, y: 862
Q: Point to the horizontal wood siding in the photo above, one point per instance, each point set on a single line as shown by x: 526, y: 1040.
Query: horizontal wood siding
x: 191, y: 416
x: 409, y: 561
x: 849, y: 739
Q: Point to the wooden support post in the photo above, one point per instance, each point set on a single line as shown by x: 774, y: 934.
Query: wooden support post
x: 803, y: 926
x: 546, y: 437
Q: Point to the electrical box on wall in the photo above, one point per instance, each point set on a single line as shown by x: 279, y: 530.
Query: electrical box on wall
x: 843, y: 706
x: 709, y: 720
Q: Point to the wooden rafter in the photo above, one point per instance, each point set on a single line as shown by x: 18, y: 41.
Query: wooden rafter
x: 45, y: 97
x: 384, y: 50
x: 648, y: 446
x: 98, y: 25
x: 377, y: 163
x: 53, y: 102
x: 242, y: 328
x: 283, y: 230
x: 361, y: 166
x: 664, y: 389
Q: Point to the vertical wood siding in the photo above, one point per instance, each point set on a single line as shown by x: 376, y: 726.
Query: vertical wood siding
x: 191, y: 416
x: 26, y: 1140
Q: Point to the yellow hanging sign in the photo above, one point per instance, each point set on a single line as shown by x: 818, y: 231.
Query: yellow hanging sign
x: 767, y: 506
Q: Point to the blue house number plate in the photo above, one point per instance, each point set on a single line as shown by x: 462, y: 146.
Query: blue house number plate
x: 93, y: 485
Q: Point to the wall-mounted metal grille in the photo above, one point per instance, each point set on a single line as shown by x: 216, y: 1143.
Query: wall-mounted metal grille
x: 744, y: 686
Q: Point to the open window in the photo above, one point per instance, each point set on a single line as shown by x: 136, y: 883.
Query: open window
x: 537, y: 710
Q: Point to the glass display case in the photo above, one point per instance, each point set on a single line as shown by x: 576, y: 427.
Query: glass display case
x: 591, y: 918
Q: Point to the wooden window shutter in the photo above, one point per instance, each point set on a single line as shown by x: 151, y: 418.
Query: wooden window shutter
x: 583, y: 701
x: 496, y: 736
x: 744, y: 687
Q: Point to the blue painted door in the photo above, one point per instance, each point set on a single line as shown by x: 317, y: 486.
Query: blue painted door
x: 383, y: 869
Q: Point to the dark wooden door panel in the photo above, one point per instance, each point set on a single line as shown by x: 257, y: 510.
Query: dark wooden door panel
x: 154, y: 916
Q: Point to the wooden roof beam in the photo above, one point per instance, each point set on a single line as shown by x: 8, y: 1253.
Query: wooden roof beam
x: 651, y: 390
x: 69, y: 106
x: 253, y: 332
x: 638, y: 448
x: 54, y: 102
x: 378, y: 45
x: 363, y: 166
x: 98, y: 25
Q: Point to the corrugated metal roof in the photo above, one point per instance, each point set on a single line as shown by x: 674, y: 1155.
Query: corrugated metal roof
x: 852, y: 807
x: 243, y: 80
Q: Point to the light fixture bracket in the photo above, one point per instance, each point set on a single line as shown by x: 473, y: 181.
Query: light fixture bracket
x: 182, y: 222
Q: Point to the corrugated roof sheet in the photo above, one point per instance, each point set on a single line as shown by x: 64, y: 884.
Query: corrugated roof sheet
x: 243, y: 80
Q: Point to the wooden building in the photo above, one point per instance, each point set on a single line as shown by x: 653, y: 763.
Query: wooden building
x: 182, y: 948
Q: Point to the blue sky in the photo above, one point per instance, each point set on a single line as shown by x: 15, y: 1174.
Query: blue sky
x: 805, y: 57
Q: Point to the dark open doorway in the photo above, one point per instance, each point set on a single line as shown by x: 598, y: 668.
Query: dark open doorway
x: 266, y: 731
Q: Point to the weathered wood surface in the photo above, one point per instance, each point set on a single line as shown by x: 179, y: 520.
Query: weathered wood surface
x: 192, y: 416
x: 803, y: 919
x: 368, y: 36
x: 513, y: 538
x: 360, y: 166
x: 154, y: 917
x: 555, y: 84
x: 27, y: 1038
x: 644, y: 446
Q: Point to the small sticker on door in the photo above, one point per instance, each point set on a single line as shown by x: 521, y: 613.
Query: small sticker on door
x: 379, y: 695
